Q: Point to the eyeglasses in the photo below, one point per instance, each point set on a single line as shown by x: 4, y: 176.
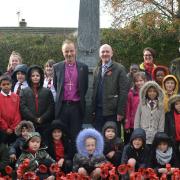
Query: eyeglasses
x: 147, y: 55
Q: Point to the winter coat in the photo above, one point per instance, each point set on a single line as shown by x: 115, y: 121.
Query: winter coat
x: 40, y: 157
x: 131, y: 108
x: 115, y: 89
x: 140, y: 155
x: 166, y: 96
x: 115, y: 144
x: 45, y: 101
x: 56, y: 124
x: 151, y: 120
x: 170, y: 128
x: 17, y: 146
x: 82, y: 158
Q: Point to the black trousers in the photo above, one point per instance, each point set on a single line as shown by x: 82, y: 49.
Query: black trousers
x: 100, y: 120
x: 71, y: 117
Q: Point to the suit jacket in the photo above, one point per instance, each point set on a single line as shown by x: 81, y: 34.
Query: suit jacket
x: 59, y: 71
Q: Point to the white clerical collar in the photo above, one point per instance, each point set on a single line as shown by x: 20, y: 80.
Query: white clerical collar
x: 4, y: 94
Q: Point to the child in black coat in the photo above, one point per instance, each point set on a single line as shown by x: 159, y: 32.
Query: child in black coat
x: 163, y: 153
x: 113, y: 145
x: 136, y: 153
x: 59, y: 146
x: 36, y: 102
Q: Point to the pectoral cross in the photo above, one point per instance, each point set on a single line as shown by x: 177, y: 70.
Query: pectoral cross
x: 70, y: 84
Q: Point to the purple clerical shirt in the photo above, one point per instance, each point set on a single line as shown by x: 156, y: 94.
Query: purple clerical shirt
x: 71, y: 86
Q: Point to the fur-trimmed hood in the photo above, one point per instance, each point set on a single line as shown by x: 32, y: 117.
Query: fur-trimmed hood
x: 145, y: 88
x: 25, y: 123
x: 83, y: 135
x: 172, y: 100
x: 175, y: 79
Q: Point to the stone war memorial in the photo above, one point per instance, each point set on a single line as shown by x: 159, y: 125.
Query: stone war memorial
x: 88, y: 42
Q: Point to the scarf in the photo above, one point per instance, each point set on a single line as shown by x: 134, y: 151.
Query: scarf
x: 164, y: 157
x: 149, y: 67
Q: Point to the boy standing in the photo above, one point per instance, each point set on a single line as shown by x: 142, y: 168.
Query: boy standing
x: 9, y: 109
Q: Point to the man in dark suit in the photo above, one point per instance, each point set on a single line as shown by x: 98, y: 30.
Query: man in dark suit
x: 71, y: 84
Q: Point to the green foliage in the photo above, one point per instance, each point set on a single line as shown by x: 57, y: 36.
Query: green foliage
x: 128, y: 44
x: 35, y: 49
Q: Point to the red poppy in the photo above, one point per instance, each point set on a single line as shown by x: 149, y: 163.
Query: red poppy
x: 104, y: 172
x: 43, y: 168
x: 138, y: 175
x: 54, y: 168
x: 8, y: 170
x: 26, y: 162
x: 163, y: 177
x: 19, y: 173
x: 29, y: 175
x: 113, y: 175
x: 168, y: 167
x: 176, y: 174
x: 122, y: 169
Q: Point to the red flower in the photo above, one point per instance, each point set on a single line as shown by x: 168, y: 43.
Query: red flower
x: 54, y: 168
x: 26, y: 162
x: 163, y: 177
x: 8, y: 170
x: 113, y: 175
x: 168, y: 167
x: 43, y: 168
x: 104, y: 173
x: 122, y: 169
x: 72, y: 176
x: 29, y: 175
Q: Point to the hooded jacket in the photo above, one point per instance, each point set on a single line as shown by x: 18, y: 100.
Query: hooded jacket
x: 82, y: 158
x: 140, y: 155
x: 45, y: 100
x: 166, y: 96
x: 17, y: 146
x: 56, y: 124
x: 162, y: 137
x: 170, y: 128
x: 151, y: 120
x: 115, y: 144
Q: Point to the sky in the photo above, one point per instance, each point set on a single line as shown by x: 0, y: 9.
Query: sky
x: 45, y: 13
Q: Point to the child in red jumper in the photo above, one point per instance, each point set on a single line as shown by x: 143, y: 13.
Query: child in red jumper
x: 9, y: 109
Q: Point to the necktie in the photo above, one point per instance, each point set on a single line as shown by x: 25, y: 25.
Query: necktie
x: 49, y: 84
x: 19, y: 89
x: 152, y: 104
x: 104, y: 69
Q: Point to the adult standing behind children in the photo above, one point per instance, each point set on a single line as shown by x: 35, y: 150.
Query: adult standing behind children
x: 110, y: 89
x: 71, y: 84
x: 148, y: 64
